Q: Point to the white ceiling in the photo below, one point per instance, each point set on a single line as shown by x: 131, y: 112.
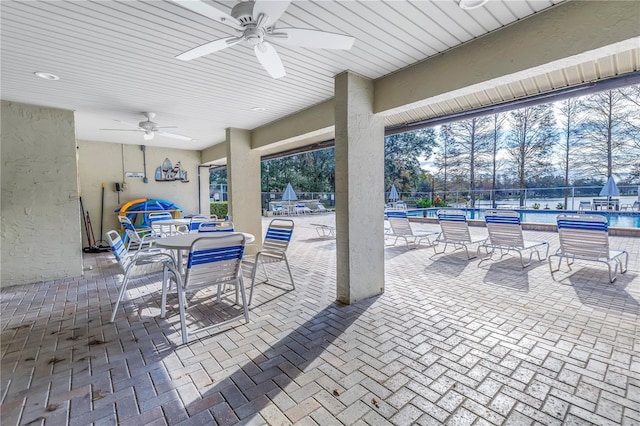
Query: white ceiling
x: 116, y: 59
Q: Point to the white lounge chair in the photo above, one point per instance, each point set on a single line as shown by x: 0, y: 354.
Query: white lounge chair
x: 585, y: 205
x: 322, y: 209
x: 302, y: 209
x: 587, y: 238
x: 325, y: 231
x: 455, y: 230
x: 401, y: 228
x: 505, y: 235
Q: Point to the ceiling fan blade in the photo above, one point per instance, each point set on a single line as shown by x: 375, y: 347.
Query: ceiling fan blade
x: 209, y: 11
x: 173, y: 135
x: 311, y: 38
x: 269, y: 59
x: 127, y: 124
x: 124, y: 130
x: 273, y: 10
x: 208, y: 48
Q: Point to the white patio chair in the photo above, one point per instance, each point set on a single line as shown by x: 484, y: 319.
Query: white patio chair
x: 505, y: 235
x: 401, y: 228
x: 587, y: 238
x: 136, y: 237
x: 585, y: 205
x: 196, y: 220
x: 274, y: 250
x: 142, y: 262
x: 455, y: 230
x: 216, y: 226
x: 155, y: 221
x: 213, y: 262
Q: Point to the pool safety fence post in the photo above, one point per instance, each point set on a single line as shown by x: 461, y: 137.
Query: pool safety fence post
x: 573, y: 198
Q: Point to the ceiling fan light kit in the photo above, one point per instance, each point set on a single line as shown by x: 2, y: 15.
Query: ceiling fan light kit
x: 255, y: 22
x: 471, y: 4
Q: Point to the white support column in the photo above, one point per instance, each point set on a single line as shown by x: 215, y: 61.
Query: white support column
x: 359, y: 153
x: 203, y: 185
x: 243, y: 183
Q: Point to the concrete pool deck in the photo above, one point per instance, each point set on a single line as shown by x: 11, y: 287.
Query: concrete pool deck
x: 450, y: 341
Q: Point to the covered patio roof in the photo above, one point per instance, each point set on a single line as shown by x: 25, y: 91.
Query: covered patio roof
x: 116, y: 60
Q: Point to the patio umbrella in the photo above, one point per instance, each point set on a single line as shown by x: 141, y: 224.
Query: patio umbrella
x: 610, y: 189
x: 289, y: 194
x: 393, y: 195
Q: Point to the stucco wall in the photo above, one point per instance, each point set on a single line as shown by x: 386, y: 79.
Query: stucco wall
x: 40, y: 209
x: 100, y: 162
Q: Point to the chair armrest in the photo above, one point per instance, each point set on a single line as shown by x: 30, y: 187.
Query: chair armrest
x: 251, y: 249
x: 151, y: 252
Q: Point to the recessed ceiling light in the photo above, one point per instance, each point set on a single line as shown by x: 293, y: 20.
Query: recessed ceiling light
x: 46, y: 75
x: 471, y: 4
x: 258, y: 109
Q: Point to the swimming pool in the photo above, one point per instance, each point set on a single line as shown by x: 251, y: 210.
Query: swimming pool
x: 615, y: 219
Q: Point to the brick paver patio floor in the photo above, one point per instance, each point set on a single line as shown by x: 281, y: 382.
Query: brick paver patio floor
x: 450, y: 341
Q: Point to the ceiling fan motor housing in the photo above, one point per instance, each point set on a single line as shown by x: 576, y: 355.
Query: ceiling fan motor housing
x: 243, y: 12
x: 148, y: 125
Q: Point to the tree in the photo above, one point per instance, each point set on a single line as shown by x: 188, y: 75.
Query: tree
x: 471, y: 138
x: 496, y: 145
x: 569, y: 112
x: 606, y: 133
x: 632, y: 95
x: 446, y: 159
x: 402, y: 153
x: 530, y: 140
x: 317, y: 170
x: 312, y: 171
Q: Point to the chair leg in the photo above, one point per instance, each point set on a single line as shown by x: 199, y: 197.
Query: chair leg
x: 613, y: 277
x: 253, y: 277
x: 183, y: 314
x: 551, y: 267
x: 524, y: 265
x: 125, y: 281
x: 286, y: 261
x: 466, y: 249
x: 626, y: 263
x: 165, y: 289
x: 439, y: 252
x: 546, y: 253
x: 245, y: 306
x: 167, y: 272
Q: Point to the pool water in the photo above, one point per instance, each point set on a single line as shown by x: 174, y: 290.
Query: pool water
x: 615, y: 219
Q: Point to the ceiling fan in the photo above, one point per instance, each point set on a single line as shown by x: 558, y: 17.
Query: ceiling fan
x: 150, y: 128
x: 255, y: 23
